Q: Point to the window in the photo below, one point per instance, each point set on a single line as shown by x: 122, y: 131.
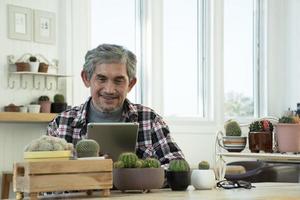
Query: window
x: 241, y: 58
x: 118, y: 22
x: 184, y: 58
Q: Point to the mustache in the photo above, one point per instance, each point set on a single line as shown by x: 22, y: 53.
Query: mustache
x: 110, y: 95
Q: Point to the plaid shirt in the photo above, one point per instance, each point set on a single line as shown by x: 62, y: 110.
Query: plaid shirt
x: 154, y: 138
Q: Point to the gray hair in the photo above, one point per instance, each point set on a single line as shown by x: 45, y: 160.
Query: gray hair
x: 107, y: 54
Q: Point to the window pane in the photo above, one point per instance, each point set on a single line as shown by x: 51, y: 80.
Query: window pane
x: 114, y: 22
x: 180, y: 75
x: 238, y: 58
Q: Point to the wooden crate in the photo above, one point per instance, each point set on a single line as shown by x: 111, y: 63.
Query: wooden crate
x: 52, y: 176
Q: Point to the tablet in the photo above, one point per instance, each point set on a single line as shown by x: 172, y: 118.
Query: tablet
x: 114, y: 138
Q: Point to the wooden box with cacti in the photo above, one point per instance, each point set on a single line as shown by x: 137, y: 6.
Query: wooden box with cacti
x: 69, y: 175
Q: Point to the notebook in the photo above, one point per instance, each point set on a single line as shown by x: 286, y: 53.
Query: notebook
x: 114, y: 138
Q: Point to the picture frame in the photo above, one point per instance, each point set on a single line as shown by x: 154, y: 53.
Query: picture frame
x: 44, y: 27
x: 19, y: 22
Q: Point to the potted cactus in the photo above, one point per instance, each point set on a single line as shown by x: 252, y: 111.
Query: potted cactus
x: 178, y: 175
x: 132, y: 173
x: 203, y: 177
x: 261, y: 136
x: 287, y: 134
x: 34, y: 64
x: 87, y: 148
x: 233, y: 141
x: 59, y: 104
x: 45, y: 103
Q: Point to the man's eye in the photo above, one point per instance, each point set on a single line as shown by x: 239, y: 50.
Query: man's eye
x: 102, y: 79
x: 119, y: 81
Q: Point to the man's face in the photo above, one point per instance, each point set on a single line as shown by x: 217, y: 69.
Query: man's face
x: 109, y: 86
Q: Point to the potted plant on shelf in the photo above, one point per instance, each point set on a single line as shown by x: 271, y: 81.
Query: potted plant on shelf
x: 34, y: 107
x: 22, y: 66
x: 203, y: 177
x: 178, y: 175
x: 131, y: 173
x: 233, y: 141
x: 287, y: 134
x: 261, y: 136
x: 43, y: 67
x: 34, y: 64
x: 45, y: 103
x: 59, y: 104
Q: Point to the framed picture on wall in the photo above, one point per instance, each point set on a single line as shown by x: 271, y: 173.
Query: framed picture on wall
x: 44, y: 27
x: 19, y: 23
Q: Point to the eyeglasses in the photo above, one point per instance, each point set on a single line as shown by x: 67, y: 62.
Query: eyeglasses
x: 234, y: 184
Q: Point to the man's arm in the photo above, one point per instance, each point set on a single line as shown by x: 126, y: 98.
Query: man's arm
x: 164, y: 146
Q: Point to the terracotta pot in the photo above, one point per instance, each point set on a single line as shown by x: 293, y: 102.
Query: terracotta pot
x: 43, y: 68
x: 178, y: 181
x: 260, y: 141
x: 288, y: 137
x: 138, y: 178
x: 45, y: 106
x: 11, y: 108
x: 22, y: 66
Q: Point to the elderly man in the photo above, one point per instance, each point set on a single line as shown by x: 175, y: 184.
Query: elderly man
x: 110, y: 73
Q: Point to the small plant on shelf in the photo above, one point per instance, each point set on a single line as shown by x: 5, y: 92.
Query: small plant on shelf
x: 32, y: 59
x: 45, y: 103
x: 59, y: 104
x: 232, y: 128
x: 288, y: 134
x: 260, y: 136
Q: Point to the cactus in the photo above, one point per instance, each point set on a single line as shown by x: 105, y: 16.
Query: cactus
x: 285, y: 119
x: 232, y: 128
x: 203, y: 165
x: 44, y: 98
x: 179, y: 166
x: 129, y: 159
x: 59, y: 98
x: 258, y: 126
x: 139, y: 163
x: 32, y: 59
x: 118, y: 164
x: 151, y: 163
x: 87, y: 148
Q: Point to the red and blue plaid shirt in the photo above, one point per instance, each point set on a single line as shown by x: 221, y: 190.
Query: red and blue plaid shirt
x: 154, y: 138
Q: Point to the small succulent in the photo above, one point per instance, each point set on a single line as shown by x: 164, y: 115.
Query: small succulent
x: 129, y: 159
x: 59, y: 98
x: 232, y: 128
x: 179, y: 166
x: 32, y: 59
x: 44, y: 98
x: 151, y: 163
x: 49, y: 143
x: 261, y: 126
x: 289, y: 119
x: 203, y: 165
x: 118, y: 164
x: 87, y: 148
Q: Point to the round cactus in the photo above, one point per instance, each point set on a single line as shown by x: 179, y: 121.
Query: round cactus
x: 179, y: 166
x: 151, y: 163
x: 139, y: 163
x: 59, y: 98
x: 232, y: 128
x: 203, y: 165
x: 129, y: 159
x: 118, y: 164
x: 87, y: 148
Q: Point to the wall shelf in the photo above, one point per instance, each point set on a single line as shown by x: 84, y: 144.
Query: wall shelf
x: 26, y: 117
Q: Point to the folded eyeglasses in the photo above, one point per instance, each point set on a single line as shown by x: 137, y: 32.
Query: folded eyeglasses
x: 234, y: 184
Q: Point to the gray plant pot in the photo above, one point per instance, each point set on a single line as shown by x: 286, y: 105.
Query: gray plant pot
x: 138, y: 178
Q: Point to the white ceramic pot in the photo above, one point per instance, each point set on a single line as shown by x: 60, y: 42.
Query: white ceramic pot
x: 203, y: 179
x: 34, y: 66
x: 34, y: 108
